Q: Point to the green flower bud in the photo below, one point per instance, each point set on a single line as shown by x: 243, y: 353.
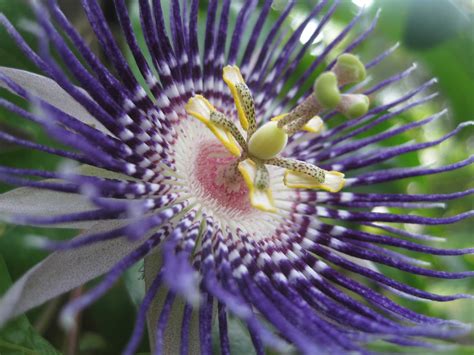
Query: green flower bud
x: 326, y: 90
x: 349, y: 69
x: 268, y: 141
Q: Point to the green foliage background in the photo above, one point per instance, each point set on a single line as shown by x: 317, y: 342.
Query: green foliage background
x: 437, y: 34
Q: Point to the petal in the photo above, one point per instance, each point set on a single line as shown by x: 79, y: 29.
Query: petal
x: 90, y: 170
x: 172, y: 339
x: 41, y: 202
x: 48, y: 90
x: 201, y: 109
x: 334, y: 181
x: 259, y: 198
x: 63, y: 271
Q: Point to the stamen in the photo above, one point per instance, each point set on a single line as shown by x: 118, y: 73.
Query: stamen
x: 300, y: 174
x: 311, y: 125
x: 221, y: 120
x: 309, y: 108
x: 257, y: 178
x: 262, y: 177
x: 333, y: 181
x: 295, y: 126
x: 302, y: 122
x: 201, y: 109
x: 242, y: 97
x: 299, y: 166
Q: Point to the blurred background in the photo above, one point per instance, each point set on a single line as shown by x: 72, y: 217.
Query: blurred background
x: 436, y: 34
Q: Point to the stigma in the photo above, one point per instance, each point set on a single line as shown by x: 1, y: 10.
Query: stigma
x: 257, y: 147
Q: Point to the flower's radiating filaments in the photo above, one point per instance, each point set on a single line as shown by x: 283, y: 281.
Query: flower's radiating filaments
x: 239, y: 202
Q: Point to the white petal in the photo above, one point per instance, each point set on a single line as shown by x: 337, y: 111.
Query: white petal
x: 41, y: 202
x: 90, y: 170
x: 63, y: 271
x: 48, y: 90
x: 172, y: 338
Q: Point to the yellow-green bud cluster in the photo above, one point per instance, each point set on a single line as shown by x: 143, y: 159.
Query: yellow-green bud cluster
x: 348, y: 69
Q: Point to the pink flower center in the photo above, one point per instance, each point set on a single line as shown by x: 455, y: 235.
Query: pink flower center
x: 217, y: 173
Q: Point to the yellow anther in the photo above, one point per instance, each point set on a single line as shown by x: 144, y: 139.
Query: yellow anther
x: 242, y: 97
x: 333, y: 181
x: 268, y: 141
x: 260, y: 198
x: 201, y: 109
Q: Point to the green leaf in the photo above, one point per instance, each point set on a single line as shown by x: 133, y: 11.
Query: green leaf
x: 92, y: 342
x: 135, y: 283
x: 171, y: 338
x: 11, y: 55
x: 239, y: 338
x: 19, y: 337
